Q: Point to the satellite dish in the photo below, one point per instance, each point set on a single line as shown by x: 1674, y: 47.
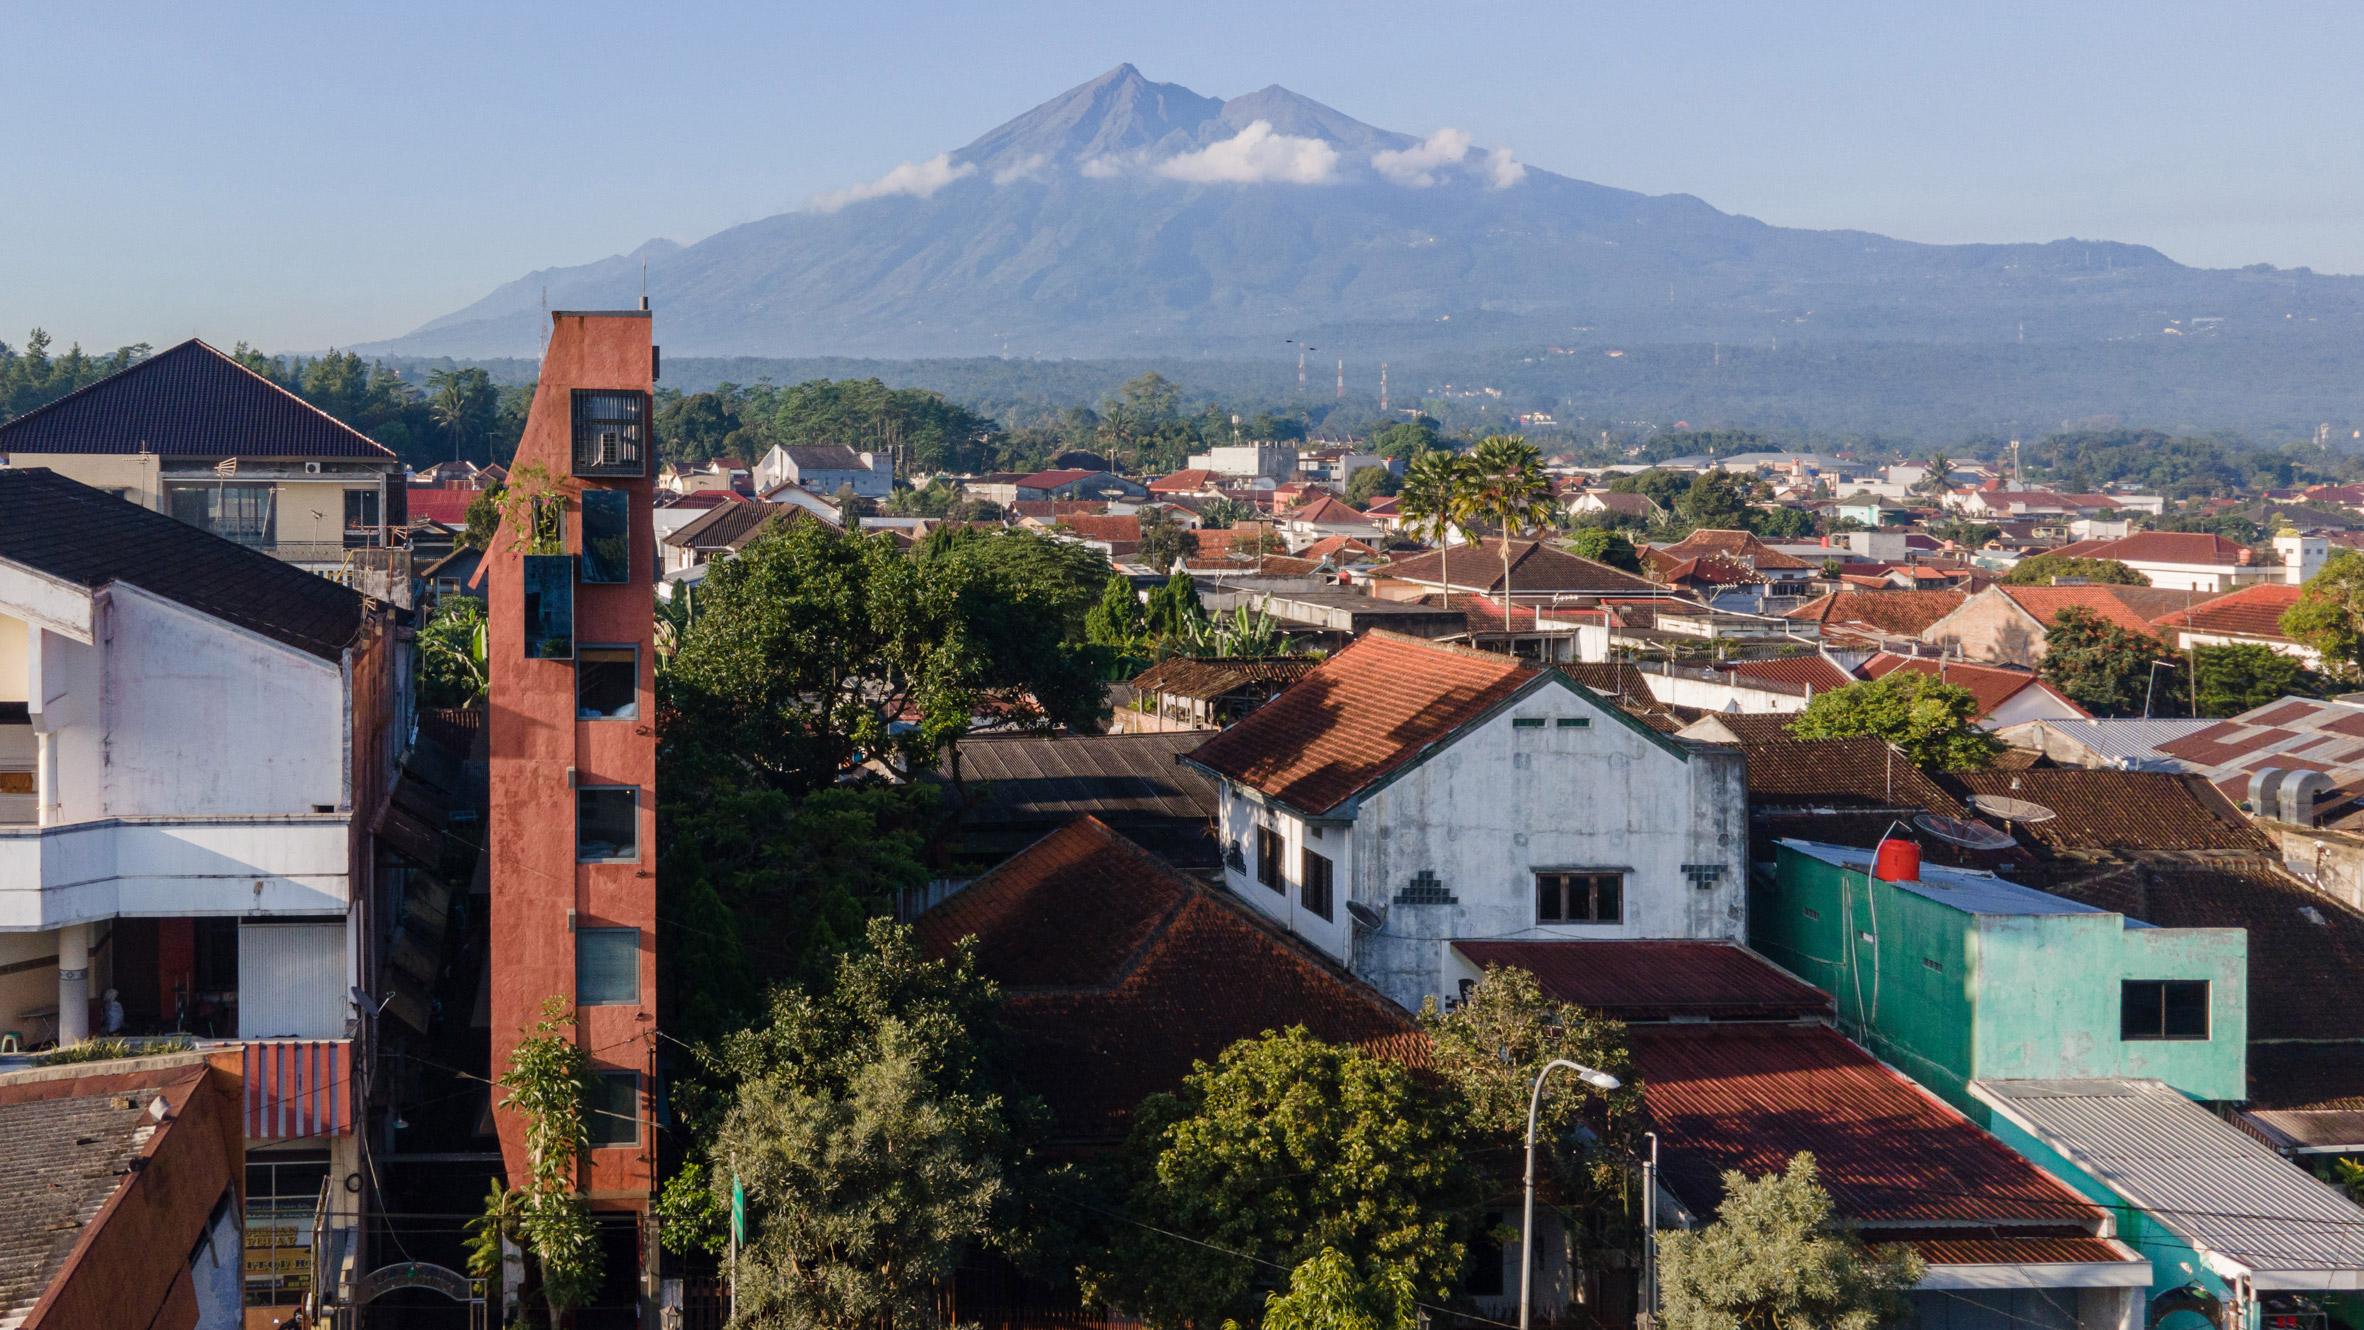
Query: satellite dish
x: 1964, y: 832
x: 2010, y: 809
x: 1366, y: 916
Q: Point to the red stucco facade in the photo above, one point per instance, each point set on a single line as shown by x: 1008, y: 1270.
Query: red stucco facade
x: 543, y: 900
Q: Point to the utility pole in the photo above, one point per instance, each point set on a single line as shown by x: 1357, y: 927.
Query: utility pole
x: 1382, y: 387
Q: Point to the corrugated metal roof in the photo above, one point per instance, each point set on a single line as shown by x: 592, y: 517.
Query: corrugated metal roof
x: 2226, y: 1194
x: 1962, y: 889
x: 1749, y: 1097
x: 1636, y: 979
x: 2127, y: 740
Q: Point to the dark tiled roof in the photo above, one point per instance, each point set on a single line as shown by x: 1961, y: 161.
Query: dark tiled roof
x: 1636, y: 979
x: 731, y: 526
x: 2317, y: 1078
x: 190, y: 401
x: 1992, y: 685
x: 90, y: 538
x: 1120, y: 974
x: 2120, y: 810
x: 1205, y: 679
x: 1896, y: 613
x: 1734, y: 545
x: 1536, y: 568
x: 1374, y: 706
x: 1835, y: 773
x: 1029, y: 779
x: 2192, y: 547
x: 1748, y: 1098
x: 1815, y: 670
x: 1103, y: 527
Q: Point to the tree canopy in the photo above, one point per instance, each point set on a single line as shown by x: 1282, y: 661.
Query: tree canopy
x: 1932, y: 722
x: 1778, y: 1257
x: 2041, y: 569
x: 2108, y: 669
x: 2329, y: 615
x: 2244, y: 676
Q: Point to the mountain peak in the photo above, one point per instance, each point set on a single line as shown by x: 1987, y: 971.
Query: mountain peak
x: 1303, y: 117
x: 1119, y: 113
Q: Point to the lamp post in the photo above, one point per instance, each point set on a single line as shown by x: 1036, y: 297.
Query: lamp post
x: 1597, y: 1079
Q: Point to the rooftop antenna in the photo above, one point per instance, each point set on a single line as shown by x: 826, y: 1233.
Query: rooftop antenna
x: 545, y: 319
x: 1341, y: 378
x: 1382, y: 387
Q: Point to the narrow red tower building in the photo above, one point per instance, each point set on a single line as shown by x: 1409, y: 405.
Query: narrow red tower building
x: 571, y: 650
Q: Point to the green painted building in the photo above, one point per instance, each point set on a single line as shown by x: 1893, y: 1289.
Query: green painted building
x: 1965, y: 976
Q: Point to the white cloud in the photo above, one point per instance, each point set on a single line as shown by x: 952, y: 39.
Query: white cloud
x: 1416, y: 166
x: 1110, y: 166
x: 1027, y: 168
x: 918, y: 179
x: 1501, y: 170
x: 1256, y: 154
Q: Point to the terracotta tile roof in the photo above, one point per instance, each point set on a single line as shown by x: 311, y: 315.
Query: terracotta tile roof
x: 713, y: 498
x: 1830, y: 773
x: 1205, y: 679
x: 1638, y: 979
x: 1899, y: 613
x: 1992, y: 685
x: 2046, y: 602
x: 1337, y: 547
x: 2120, y: 810
x: 1182, y: 482
x: 1818, y: 671
x: 1735, y: 544
x: 90, y: 538
x: 1108, y: 961
x: 1046, y: 480
x: 731, y: 526
x: 1750, y: 1097
x: 1047, y: 509
x: 1706, y: 570
x: 2252, y: 611
x: 1536, y: 568
x: 188, y: 401
x: 1327, y: 511
x: 1127, y: 527
x: 1632, y: 505
x: 2187, y: 547
x: 1376, y: 705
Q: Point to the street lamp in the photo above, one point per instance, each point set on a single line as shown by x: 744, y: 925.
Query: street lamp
x: 2153, y: 685
x: 1599, y: 1080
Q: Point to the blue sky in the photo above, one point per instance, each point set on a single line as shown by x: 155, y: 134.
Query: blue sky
x: 302, y: 175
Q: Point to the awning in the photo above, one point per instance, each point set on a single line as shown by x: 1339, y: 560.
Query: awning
x: 2000, y: 1263
x: 298, y: 1088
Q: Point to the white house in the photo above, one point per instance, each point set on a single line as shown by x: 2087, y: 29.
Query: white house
x: 1275, y: 460
x: 824, y: 470
x: 2193, y: 560
x: 1407, y: 795
x: 195, y: 738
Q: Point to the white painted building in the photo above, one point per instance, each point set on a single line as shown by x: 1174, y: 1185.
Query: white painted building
x: 1277, y: 461
x: 194, y: 738
x: 1405, y: 796
x: 823, y: 470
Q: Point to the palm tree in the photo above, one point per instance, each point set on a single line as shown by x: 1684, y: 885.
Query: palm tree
x: 1435, y: 499
x: 1506, y: 487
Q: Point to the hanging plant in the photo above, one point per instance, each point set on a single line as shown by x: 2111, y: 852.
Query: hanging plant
x: 533, y: 510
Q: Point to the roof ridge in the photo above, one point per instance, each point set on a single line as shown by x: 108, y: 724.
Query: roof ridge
x: 158, y: 358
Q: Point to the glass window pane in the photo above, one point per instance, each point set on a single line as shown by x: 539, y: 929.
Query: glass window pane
x: 607, y: 683
x: 607, y: 967
x: 2138, y: 1009
x: 611, y: 1108
x: 607, y: 538
x: 607, y: 824
x: 1547, y: 897
x: 549, y: 607
x: 1608, y: 898
x: 2185, y: 1009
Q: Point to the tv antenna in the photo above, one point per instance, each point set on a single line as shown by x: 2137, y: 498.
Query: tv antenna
x: 1302, y: 348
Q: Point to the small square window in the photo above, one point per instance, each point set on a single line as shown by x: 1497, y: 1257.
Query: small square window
x: 607, y: 824
x: 611, y: 1108
x: 1579, y: 898
x: 2163, y: 1009
x: 1313, y: 891
x: 607, y: 683
x: 607, y: 967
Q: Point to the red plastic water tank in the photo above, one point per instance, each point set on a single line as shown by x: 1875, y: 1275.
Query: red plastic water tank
x: 1898, y: 861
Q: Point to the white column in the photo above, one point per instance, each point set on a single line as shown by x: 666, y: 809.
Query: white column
x: 73, y: 984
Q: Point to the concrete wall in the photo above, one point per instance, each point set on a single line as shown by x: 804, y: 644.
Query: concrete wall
x: 203, y: 718
x: 1488, y: 812
x: 1990, y: 627
x: 136, y: 472
x: 2331, y: 862
x: 1708, y: 696
x: 15, y: 641
x: 1948, y: 996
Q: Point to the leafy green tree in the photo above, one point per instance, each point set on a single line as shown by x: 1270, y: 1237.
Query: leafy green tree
x: 1778, y: 1257
x: 1605, y: 545
x: 1162, y: 542
x: 1781, y: 523
x: 545, y: 1217
x: 876, y: 1142
x: 1371, y: 482
x: 465, y: 404
x: 2245, y: 676
x: 810, y: 647
x: 1664, y: 488
x: 1406, y: 439
x: 1224, y: 514
x: 1153, y: 395
x: 1117, y: 620
x: 1932, y: 723
x: 695, y: 428
x: 2329, y: 615
x: 1325, y: 1293
x: 1492, y: 1045
x: 33, y: 377
x: 1174, y: 607
x: 451, y: 659
x: 1717, y: 500
x: 484, y: 518
x: 1938, y: 478
x: 1434, y: 501
x: 1285, y: 1147
x: 1506, y: 487
x: 933, y: 433
x: 2041, y: 569
x: 2107, y: 669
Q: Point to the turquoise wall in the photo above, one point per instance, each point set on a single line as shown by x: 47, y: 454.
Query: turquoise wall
x: 1948, y: 997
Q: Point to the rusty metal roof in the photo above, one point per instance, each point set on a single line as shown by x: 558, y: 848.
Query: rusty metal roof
x: 1639, y: 979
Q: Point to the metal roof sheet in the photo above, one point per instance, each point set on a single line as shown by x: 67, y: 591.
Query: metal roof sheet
x: 1964, y: 889
x: 2245, y: 1209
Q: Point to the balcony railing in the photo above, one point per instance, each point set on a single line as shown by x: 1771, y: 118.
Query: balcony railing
x: 83, y: 871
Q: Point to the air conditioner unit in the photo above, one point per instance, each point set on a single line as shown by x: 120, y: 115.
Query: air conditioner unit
x: 311, y: 468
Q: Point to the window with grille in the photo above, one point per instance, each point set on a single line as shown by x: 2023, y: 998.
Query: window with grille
x: 1579, y: 898
x: 2163, y: 1009
x: 611, y: 432
x: 1313, y: 883
x: 1268, y: 857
